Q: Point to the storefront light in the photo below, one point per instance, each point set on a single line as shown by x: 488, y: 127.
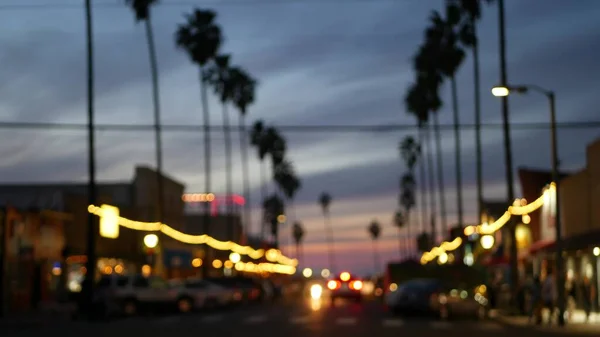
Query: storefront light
x: 596, y: 251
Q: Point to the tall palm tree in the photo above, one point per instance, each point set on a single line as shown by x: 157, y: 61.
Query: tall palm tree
x: 298, y: 234
x: 410, y: 152
x: 243, y: 96
x: 399, y: 223
x: 471, y: 13
x: 200, y: 37
x: 273, y: 206
x: 263, y: 146
x: 141, y: 9
x: 420, y: 100
x: 444, y: 34
x: 375, y: 231
x: 428, y: 81
x: 289, y: 184
x: 219, y: 77
x: 325, y: 203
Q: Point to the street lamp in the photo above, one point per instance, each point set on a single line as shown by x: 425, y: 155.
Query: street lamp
x: 151, y: 241
x: 501, y: 91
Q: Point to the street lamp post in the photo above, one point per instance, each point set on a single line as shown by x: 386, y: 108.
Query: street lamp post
x: 503, y: 91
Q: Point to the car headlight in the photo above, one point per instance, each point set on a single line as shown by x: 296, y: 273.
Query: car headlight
x: 316, y: 291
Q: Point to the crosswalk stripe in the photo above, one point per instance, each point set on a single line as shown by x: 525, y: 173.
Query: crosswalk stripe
x: 392, y: 322
x: 212, y: 318
x: 440, y: 325
x: 256, y: 319
x: 346, y: 321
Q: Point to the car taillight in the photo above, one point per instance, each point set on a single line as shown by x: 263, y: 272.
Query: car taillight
x: 332, y: 285
x: 356, y: 285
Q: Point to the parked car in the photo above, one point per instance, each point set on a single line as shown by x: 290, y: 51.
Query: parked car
x: 245, y: 289
x: 434, y: 297
x: 202, y: 294
x: 120, y: 294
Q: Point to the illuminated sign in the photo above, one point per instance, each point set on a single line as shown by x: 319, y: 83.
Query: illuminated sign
x: 109, y: 222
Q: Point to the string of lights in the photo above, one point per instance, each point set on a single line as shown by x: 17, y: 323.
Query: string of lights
x: 519, y: 208
x: 292, y: 128
x: 272, y: 255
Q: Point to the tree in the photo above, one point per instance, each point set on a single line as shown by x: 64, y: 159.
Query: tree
x: 443, y: 34
x: 375, y: 231
x: 263, y: 146
x: 298, y: 235
x: 219, y: 77
x: 273, y: 207
x: 325, y: 203
x: 288, y: 183
x: 410, y: 152
x: 399, y: 222
x: 142, y: 10
x: 200, y: 37
x: 420, y: 100
x: 244, y: 87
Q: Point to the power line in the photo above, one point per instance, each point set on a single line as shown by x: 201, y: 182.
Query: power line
x: 290, y: 128
x: 182, y: 3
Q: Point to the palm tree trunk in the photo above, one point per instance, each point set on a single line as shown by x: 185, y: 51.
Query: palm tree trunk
x: 478, y: 153
x: 264, y: 191
x: 88, y: 285
x: 207, y: 166
x: 423, y: 181
x: 330, y: 239
x: 157, y: 123
x: 400, y: 246
x: 245, y: 173
x: 430, y: 168
x: 440, y: 171
x: 459, y: 195
x: 228, y: 171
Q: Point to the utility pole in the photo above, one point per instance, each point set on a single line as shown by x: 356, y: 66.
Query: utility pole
x: 88, y: 286
x: 514, y: 271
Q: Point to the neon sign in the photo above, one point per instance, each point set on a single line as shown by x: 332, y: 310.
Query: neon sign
x: 215, y: 201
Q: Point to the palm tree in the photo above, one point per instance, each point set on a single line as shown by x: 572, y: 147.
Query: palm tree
x: 325, y: 202
x: 244, y: 87
x: 200, y: 37
x: 429, y: 81
x: 141, y: 9
x: 273, y: 207
x: 420, y: 100
x: 287, y: 181
x: 471, y: 12
x: 375, y: 231
x: 410, y: 152
x: 445, y: 36
x: 399, y: 222
x: 298, y: 234
x: 219, y: 77
x: 263, y: 147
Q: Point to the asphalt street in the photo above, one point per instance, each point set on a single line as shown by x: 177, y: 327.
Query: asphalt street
x: 299, y: 318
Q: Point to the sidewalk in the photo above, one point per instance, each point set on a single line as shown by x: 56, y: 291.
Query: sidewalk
x: 47, y: 315
x: 577, y: 324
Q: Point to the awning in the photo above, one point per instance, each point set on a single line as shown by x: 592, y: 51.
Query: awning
x: 542, y: 245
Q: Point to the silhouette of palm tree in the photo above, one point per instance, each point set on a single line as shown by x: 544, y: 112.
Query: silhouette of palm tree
x: 142, y: 9
x: 399, y: 222
x: 325, y: 203
x: 289, y: 184
x: 375, y: 231
x: 219, y: 77
x: 298, y: 235
x: 244, y: 87
x: 410, y: 152
x: 273, y: 207
x: 200, y: 37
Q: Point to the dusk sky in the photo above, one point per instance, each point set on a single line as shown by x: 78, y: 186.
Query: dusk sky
x: 344, y: 62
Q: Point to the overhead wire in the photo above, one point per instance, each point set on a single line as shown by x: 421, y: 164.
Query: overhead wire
x: 382, y: 128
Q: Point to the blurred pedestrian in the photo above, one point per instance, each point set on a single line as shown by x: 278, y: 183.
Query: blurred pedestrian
x: 588, y: 292
x: 536, y: 305
x: 549, y: 295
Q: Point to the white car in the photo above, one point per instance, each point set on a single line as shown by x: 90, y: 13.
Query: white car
x: 127, y: 294
x: 202, y: 294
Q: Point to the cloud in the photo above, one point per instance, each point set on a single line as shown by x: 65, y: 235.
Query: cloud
x: 317, y: 64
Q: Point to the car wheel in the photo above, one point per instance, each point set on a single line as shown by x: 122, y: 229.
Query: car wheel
x: 130, y: 307
x: 185, y: 305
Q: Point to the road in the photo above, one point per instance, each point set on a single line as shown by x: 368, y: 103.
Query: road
x: 293, y: 319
